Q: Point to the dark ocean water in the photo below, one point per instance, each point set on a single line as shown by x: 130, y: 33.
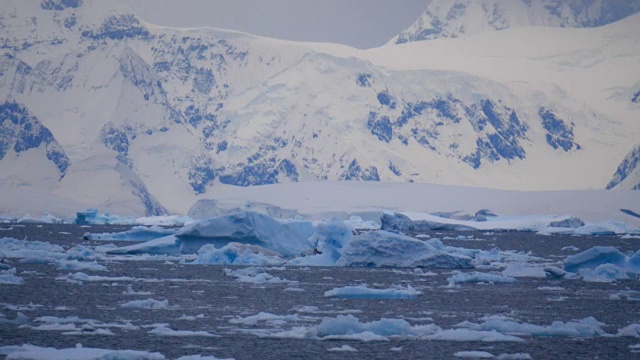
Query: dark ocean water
x: 198, y: 289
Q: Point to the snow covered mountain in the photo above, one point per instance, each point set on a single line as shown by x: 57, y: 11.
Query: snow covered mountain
x: 450, y: 19
x: 103, y: 108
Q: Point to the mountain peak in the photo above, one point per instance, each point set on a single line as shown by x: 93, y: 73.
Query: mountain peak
x: 451, y: 19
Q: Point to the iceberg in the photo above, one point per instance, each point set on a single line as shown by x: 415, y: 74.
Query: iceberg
x: 237, y: 254
x: 136, y: 233
x: 386, y: 249
x: 289, y: 238
x: 592, y: 258
x: 328, y: 241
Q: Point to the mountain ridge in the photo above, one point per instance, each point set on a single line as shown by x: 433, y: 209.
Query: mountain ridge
x: 168, y: 115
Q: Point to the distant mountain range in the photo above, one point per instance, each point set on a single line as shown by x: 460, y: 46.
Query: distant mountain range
x: 455, y: 18
x: 101, y: 107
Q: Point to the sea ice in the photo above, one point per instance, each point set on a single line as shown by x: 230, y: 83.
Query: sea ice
x: 363, y: 292
x: 521, y: 270
x: 289, y: 238
x: 479, y: 277
x: 255, y: 275
x: 164, y: 330
x: 75, y: 265
x: 150, y: 304
x: 8, y: 277
x: 19, y: 319
x: 32, y: 352
x: 342, y: 348
x: 604, y: 264
x: 386, y: 249
x: 474, y: 354
x: 328, y: 240
x: 593, y: 257
x: 237, y: 254
x: 136, y: 233
x: 587, y: 327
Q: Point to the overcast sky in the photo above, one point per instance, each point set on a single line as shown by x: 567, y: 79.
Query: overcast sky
x: 358, y: 23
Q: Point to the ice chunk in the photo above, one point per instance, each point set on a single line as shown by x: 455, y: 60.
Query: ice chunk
x: 516, y: 356
x: 386, y: 249
x: 363, y: 292
x: 345, y: 325
x: 150, y: 304
x: 237, y: 254
x: 93, y: 217
x: 19, y: 319
x: 289, y: 238
x: 136, y: 233
x: 474, y: 354
x: 593, y: 257
x: 631, y: 330
x: 586, y: 327
x: 75, y: 265
x: 400, y: 222
x: 272, y: 319
x: 32, y: 352
x: 328, y: 241
x: 606, y: 273
x: 342, y: 349
x: 164, y: 330
x: 553, y: 272
x: 8, y: 277
x: 163, y: 246
x: 79, y: 277
x: 478, y: 277
x: 521, y: 270
x: 256, y: 276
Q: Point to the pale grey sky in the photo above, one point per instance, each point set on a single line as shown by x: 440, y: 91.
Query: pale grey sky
x: 358, y: 23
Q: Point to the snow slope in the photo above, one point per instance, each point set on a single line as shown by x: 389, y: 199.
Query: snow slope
x: 451, y: 19
x: 157, y: 118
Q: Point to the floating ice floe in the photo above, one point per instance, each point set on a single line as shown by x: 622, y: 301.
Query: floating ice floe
x: 268, y: 318
x: 80, y: 277
x: 479, y: 277
x: 18, y: 320
x: 8, y: 277
x: 604, y: 264
x: 46, y: 218
x: 543, y: 224
x: 386, y: 249
x: 165, y: 330
x: 363, y: 292
x: 32, y: 352
x: 474, y: 354
x: 587, y: 327
x: 255, y: 275
x: 348, y: 327
x: 136, y: 233
x: 75, y: 265
x: 149, y: 304
x: 343, y: 348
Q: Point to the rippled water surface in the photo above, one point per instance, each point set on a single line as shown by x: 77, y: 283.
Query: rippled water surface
x: 213, y: 299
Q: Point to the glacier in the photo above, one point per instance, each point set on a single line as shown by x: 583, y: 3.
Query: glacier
x: 177, y: 109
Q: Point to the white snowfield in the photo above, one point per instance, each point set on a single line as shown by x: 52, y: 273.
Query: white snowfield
x: 307, y: 95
